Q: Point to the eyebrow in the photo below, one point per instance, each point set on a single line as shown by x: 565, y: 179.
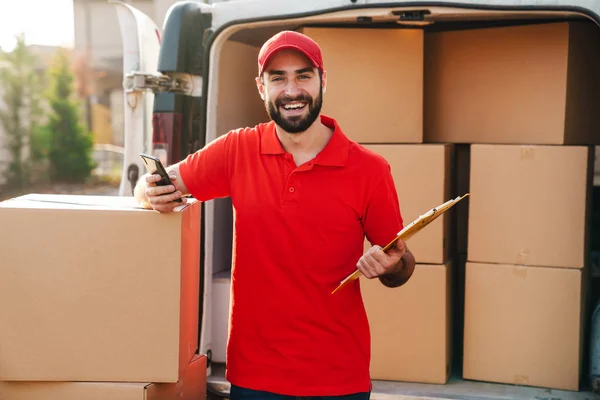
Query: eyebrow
x: 298, y: 71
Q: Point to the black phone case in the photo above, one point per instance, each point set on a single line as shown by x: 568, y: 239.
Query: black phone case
x: 158, y: 169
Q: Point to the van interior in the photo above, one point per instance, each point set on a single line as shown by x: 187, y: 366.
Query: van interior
x: 234, y: 102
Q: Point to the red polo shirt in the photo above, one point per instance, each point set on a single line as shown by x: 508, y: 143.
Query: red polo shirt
x: 298, y: 232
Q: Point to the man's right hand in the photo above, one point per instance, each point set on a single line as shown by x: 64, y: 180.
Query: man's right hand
x: 162, y: 198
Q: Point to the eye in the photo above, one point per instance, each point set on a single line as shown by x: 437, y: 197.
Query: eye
x: 276, y: 79
x: 304, y: 77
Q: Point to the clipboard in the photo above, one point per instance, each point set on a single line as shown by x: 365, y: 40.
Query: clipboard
x: 409, y: 231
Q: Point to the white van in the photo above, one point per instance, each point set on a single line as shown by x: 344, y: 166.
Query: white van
x: 192, y: 80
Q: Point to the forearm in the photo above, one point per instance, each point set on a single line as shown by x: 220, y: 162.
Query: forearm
x: 401, y: 273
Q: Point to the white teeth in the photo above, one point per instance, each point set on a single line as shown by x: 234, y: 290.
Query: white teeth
x: 293, y: 106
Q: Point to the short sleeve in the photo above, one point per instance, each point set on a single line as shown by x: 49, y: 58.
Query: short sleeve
x: 383, y: 219
x: 205, y: 173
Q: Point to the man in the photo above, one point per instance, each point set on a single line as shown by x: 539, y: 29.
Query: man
x: 304, y: 196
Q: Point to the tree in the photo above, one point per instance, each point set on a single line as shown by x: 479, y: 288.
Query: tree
x: 71, y: 144
x: 20, y: 88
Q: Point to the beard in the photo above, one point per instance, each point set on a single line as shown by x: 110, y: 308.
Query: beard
x: 299, y: 123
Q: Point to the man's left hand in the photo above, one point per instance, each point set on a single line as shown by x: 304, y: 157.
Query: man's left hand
x: 375, y: 262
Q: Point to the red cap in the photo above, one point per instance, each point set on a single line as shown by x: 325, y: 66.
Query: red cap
x: 290, y: 40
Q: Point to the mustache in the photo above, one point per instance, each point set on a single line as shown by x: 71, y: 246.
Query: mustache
x: 288, y: 99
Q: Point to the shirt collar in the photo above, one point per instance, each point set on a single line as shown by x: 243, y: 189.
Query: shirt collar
x: 335, y: 153
x: 269, y: 142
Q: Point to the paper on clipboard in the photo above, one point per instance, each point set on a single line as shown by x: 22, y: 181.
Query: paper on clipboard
x: 409, y: 231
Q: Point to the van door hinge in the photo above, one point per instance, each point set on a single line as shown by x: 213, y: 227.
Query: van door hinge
x: 181, y: 83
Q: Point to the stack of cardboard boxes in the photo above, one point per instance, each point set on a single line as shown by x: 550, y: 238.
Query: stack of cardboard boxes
x: 523, y: 97
x: 508, y: 115
x: 99, y: 299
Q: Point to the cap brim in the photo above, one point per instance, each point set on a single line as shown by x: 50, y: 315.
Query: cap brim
x: 286, y: 47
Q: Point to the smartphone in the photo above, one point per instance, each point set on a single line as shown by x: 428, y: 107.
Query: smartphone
x: 154, y: 166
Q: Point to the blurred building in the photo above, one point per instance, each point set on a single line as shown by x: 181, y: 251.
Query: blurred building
x: 98, y: 53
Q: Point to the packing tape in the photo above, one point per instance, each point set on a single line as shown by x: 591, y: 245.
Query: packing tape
x: 527, y: 152
x: 521, y: 380
x: 73, y: 203
x: 520, y: 271
x: 522, y: 257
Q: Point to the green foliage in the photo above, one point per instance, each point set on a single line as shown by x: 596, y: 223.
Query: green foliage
x: 20, y: 93
x: 40, y: 143
x: 70, y: 143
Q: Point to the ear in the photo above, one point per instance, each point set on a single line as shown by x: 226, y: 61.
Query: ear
x: 324, y: 81
x: 260, y: 87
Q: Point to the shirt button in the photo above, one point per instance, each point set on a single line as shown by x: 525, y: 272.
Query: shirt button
x: 292, y: 189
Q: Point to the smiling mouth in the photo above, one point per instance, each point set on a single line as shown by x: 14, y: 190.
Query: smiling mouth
x: 294, y: 106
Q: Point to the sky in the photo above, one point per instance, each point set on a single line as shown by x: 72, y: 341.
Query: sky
x: 46, y: 22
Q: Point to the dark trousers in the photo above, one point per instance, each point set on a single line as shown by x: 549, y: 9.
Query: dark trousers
x: 240, y: 393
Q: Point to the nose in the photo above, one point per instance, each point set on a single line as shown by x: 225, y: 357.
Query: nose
x: 292, y: 89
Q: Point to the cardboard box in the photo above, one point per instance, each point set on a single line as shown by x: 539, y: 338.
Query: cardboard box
x: 93, y: 288
x: 238, y: 102
x: 423, y: 178
x: 535, y: 84
x: 192, y: 386
x: 374, y: 82
x: 529, y: 205
x: 523, y: 325
x: 410, y: 326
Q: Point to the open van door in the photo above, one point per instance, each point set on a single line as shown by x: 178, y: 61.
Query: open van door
x: 178, y: 119
x: 141, y: 46
x: 164, y: 107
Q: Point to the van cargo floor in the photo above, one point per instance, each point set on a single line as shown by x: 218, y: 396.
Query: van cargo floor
x: 455, y: 389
